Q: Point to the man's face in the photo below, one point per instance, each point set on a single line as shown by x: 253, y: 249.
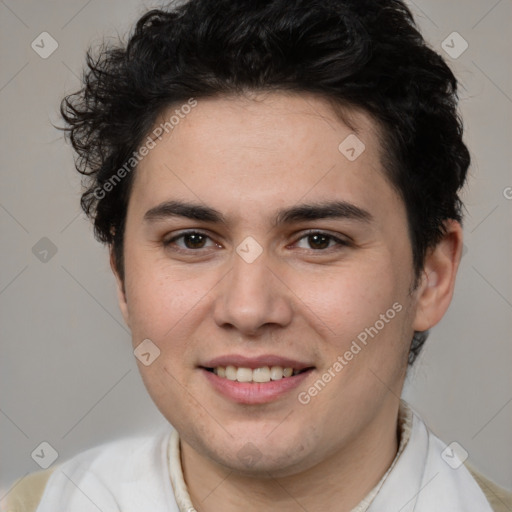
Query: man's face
x: 262, y: 288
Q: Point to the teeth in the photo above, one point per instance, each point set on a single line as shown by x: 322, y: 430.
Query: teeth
x: 276, y: 373
x: 244, y: 375
x: 261, y: 375
x: 230, y: 372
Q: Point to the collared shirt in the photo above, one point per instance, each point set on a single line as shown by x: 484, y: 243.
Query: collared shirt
x: 137, y: 474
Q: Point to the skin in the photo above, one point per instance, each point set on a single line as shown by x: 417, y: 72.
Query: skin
x: 249, y: 157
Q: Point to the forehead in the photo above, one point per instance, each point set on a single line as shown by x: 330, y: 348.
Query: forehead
x: 264, y: 150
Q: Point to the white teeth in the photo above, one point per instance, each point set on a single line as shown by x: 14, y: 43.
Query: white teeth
x: 276, y: 373
x: 230, y: 372
x: 244, y: 375
x: 261, y: 375
x: 287, y: 372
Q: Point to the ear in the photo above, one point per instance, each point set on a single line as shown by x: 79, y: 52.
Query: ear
x: 435, y: 291
x: 121, y: 293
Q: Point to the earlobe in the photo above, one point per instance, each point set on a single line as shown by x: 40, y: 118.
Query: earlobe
x: 121, y: 292
x: 435, y: 290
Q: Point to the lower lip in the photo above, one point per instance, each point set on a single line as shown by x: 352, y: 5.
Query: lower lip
x: 255, y: 393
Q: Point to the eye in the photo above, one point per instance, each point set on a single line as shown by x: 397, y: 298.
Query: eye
x: 195, y: 240
x: 318, y: 241
x: 191, y: 240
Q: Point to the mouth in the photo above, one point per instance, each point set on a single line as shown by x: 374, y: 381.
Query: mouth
x: 254, y: 380
x: 260, y: 375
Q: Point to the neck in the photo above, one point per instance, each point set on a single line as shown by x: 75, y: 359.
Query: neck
x: 339, y: 482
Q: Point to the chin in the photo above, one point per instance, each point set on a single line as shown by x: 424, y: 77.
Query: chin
x: 252, y: 462
x: 257, y: 454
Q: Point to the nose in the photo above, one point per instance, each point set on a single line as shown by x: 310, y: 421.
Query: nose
x: 252, y: 297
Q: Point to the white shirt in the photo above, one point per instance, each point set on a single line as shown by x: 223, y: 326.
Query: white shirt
x: 137, y: 474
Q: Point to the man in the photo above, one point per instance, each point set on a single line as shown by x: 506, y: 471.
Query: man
x: 278, y: 185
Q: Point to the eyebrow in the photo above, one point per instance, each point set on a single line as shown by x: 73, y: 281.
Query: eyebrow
x: 303, y: 212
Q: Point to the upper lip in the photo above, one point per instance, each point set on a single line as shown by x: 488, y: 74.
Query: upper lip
x: 255, y: 362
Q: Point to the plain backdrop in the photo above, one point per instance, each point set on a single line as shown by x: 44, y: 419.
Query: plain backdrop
x: 68, y: 375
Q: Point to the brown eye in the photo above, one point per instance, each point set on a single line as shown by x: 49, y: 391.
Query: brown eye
x: 189, y: 240
x: 319, y: 241
x: 194, y: 240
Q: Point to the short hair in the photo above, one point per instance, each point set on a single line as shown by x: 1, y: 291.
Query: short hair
x: 366, y: 54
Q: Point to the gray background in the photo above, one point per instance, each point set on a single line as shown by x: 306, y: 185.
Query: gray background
x: 68, y: 375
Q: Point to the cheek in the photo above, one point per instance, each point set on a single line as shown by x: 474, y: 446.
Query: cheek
x: 157, y: 297
x: 343, y: 302
x: 166, y: 309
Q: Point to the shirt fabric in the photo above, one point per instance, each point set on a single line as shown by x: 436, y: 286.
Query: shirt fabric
x: 138, y: 474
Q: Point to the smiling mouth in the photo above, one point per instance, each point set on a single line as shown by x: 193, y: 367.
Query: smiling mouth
x: 259, y: 375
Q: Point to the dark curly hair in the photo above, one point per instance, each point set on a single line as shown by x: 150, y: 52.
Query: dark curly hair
x: 362, y: 53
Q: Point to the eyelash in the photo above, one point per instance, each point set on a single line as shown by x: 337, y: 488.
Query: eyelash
x: 339, y: 242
